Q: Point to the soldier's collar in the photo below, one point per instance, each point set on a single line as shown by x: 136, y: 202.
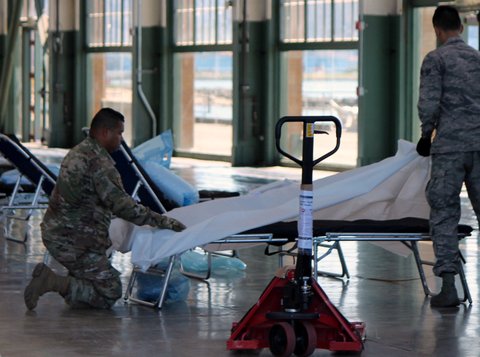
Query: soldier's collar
x: 99, y: 148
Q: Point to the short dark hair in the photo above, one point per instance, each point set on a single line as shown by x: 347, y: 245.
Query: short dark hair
x: 446, y: 18
x: 106, y: 118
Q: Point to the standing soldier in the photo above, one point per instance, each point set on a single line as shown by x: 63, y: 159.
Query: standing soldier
x: 75, y: 227
x: 449, y: 103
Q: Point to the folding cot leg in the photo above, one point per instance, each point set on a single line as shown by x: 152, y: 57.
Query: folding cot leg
x: 166, y: 279
x: 466, y: 291
x: 463, y: 279
x: 16, y: 188
x: 30, y: 208
x: 11, y: 203
x: 336, y: 245
x: 206, y: 276
x: 163, y: 293
x: 414, y: 247
x: 210, y: 255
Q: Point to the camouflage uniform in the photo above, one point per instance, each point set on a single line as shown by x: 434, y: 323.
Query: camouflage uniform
x: 75, y: 227
x: 450, y: 103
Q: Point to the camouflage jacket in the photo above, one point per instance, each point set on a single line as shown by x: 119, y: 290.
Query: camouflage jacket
x: 87, y: 192
x: 450, y: 97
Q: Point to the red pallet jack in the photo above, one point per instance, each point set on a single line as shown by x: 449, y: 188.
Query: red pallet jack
x: 293, y: 314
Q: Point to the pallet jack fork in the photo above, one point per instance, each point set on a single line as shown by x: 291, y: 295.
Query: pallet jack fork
x: 293, y: 314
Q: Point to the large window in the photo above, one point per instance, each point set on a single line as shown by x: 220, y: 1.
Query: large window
x: 109, y: 58
x: 319, y: 72
x: 110, y: 78
x: 203, y: 106
x: 204, y: 102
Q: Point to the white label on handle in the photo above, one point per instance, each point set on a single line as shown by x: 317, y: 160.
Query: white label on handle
x: 305, y: 225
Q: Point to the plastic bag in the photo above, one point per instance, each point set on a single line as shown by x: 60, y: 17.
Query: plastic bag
x: 193, y: 261
x: 10, y: 177
x: 149, y: 286
x: 158, y: 149
x: 173, y: 187
x: 155, y: 156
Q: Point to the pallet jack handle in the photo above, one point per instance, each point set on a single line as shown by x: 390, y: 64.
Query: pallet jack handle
x: 308, y: 163
x: 303, y: 269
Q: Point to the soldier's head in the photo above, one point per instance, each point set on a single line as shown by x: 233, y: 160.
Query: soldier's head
x: 447, y: 23
x: 107, y: 128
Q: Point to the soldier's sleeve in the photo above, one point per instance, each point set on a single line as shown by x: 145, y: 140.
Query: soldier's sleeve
x: 430, y: 93
x: 109, y: 188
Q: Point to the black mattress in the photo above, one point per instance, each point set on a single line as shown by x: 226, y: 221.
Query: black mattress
x: 321, y: 227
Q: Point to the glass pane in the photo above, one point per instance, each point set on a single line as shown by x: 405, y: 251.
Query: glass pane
x: 109, y: 23
x: 127, y: 23
x: 426, y: 39
x: 319, y: 20
x: 112, y: 22
x: 224, y: 24
x: 205, y: 22
x: 346, y: 15
x: 203, y: 102
x: 111, y: 85
x: 292, y: 21
x: 202, y: 22
x: 472, y: 35
x: 95, y: 23
x: 184, y: 22
x: 326, y: 20
x: 322, y: 83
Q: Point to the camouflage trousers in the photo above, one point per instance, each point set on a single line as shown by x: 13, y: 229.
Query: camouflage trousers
x: 449, y: 172
x: 93, y: 280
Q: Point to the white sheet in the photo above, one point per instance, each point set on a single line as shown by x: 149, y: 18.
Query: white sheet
x: 392, y: 188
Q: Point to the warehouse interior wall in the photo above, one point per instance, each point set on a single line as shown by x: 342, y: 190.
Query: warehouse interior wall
x: 60, y: 64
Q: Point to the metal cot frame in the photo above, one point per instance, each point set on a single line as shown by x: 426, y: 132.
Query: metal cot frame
x: 410, y: 240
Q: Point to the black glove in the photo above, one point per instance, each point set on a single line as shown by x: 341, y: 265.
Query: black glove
x: 423, y: 146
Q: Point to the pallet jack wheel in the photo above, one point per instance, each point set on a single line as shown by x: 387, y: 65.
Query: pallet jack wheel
x: 306, y: 339
x: 282, y: 339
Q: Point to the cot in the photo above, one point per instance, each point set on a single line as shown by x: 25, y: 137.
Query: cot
x: 29, y: 166
x: 392, y: 189
x: 140, y: 185
x: 328, y: 234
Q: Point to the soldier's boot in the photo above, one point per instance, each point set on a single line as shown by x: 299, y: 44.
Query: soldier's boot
x: 44, y: 280
x: 448, y: 296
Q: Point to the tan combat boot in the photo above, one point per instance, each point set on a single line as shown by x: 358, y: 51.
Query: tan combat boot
x: 44, y: 280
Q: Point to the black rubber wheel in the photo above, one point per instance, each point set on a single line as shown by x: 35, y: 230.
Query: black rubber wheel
x: 282, y: 339
x: 306, y: 339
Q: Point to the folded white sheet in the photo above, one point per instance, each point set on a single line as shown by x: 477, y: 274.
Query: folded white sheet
x: 390, y: 189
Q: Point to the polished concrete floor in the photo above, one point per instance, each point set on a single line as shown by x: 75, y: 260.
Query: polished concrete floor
x: 384, y: 291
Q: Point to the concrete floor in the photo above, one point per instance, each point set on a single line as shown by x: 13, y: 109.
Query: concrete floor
x: 384, y: 291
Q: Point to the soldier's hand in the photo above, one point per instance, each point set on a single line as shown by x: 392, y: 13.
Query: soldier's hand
x: 173, y: 224
x: 161, y: 221
x: 423, y: 146
x: 176, y: 225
